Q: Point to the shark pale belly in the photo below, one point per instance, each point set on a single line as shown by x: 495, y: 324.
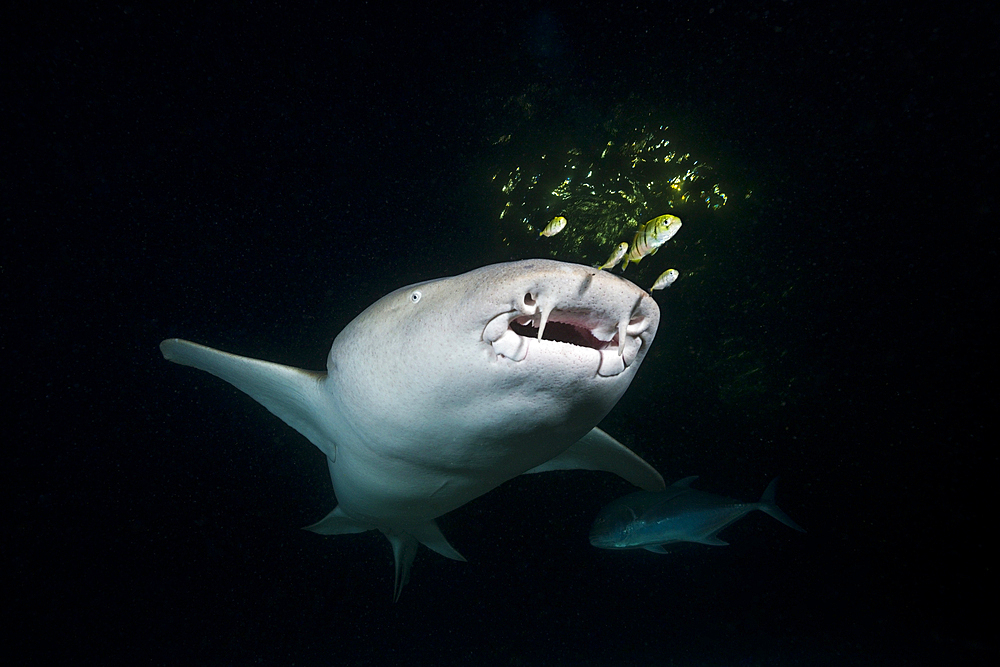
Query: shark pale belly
x: 443, y: 390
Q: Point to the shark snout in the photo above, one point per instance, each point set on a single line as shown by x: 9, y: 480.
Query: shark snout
x: 607, y: 318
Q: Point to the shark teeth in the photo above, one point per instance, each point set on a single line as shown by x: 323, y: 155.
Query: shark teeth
x: 543, y: 321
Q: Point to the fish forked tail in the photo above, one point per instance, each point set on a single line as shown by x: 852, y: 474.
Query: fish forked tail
x: 768, y: 505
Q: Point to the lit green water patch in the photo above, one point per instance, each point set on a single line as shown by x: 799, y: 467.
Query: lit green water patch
x: 605, y: 193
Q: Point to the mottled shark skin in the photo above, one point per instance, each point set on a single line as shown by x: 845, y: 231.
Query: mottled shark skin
x: 443, y: 390
x: 655, y: 520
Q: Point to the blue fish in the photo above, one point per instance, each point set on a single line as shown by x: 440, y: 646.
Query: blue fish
x: 652, y: 520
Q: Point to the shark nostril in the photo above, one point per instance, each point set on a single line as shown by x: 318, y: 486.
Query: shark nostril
x: 529, y: 299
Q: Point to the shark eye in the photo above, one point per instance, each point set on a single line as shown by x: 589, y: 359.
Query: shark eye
x: 415, y: 296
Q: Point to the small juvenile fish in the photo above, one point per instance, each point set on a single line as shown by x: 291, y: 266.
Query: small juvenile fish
x: 616, y: 257
x: 557, y: 225
x: 651, y: 236
x: 666, y: 279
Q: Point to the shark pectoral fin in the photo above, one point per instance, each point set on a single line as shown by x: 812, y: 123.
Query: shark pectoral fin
x: 599, y: 451
x: 292, y: 394
x: 338, y: 523
x: 712, y: 541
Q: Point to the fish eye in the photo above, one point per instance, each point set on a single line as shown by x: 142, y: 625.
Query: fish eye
x: 415, y: 296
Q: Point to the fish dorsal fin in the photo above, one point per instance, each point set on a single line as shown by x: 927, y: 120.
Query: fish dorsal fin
x: 599, y: 451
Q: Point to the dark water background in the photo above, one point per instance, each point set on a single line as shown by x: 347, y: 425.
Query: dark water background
x: 253, y: 177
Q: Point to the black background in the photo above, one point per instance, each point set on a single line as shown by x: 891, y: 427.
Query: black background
x: 252, y: 177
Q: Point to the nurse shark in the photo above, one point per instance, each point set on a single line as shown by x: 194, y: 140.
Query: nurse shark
x: 443, y: 390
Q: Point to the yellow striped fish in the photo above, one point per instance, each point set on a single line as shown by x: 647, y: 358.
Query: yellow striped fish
x: 557, y: 224
x: 616, y: 256
x: 650, y: 237
x: 666, y: 279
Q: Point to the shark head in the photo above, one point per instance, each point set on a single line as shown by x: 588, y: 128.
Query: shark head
x: 442, y: 390
x: 521, y: 358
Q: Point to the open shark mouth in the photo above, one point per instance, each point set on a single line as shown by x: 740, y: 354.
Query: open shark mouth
x: 615, y: 343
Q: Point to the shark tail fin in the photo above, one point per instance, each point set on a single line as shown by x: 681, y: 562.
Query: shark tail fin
x: 767, y: 504
x: 292, y: 394
x: 404, y: 541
